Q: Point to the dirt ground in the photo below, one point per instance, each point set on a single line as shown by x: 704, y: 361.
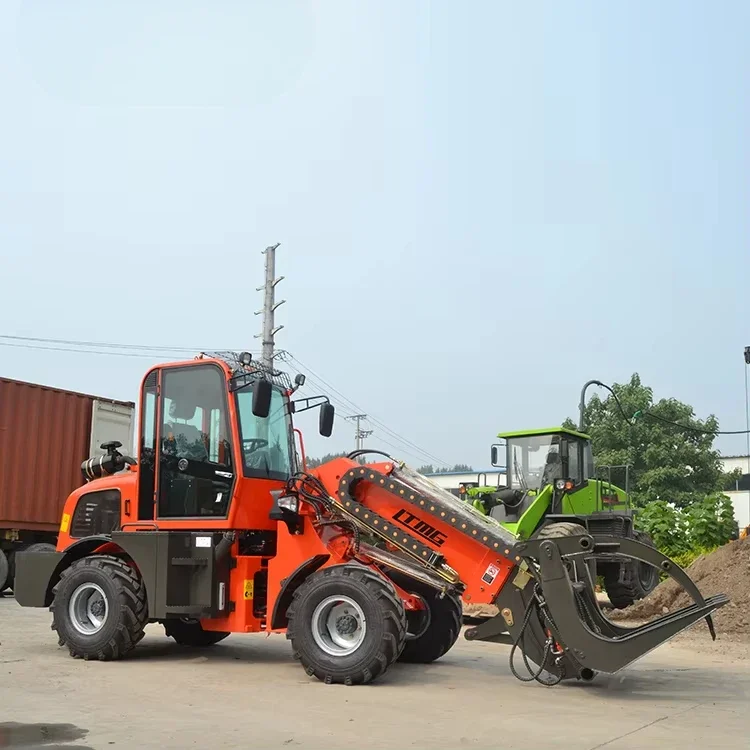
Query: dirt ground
x: 248, y: 692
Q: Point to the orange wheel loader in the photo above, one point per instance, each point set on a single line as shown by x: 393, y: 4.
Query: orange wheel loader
x: 218, y: 528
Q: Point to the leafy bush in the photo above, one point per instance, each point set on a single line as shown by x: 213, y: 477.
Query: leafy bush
x: 685, y: 534
x: 666, y: 525
x: 710, y: 522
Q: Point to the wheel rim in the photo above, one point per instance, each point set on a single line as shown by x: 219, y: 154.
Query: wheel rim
x: 88, y: 608
x: 417, y: 622
x: 339, y: 625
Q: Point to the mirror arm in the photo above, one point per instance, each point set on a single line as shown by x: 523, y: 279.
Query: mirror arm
x: 307, y: 405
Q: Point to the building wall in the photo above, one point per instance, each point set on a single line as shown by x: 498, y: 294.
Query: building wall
x: 741, y: 502
x: 730, y: 463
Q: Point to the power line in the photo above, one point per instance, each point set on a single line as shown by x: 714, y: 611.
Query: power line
x: 109, y: 345
x: 373, y: 420
x: 78, y: 351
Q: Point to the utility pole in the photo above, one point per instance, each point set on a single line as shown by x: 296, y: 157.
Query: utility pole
x: 269, y: 307
x: 747, y: 406
x: 359, y: 433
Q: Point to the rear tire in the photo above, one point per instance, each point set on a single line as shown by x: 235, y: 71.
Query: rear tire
x: 636, y: 582
x: 191, y: 633
x: 99, y: 608
x: 346, y: 624
x: 4, y: 572
x: 40, y: 547
x: 443, y: 624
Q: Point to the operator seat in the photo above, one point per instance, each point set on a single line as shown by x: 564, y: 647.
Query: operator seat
x: 183, y: 440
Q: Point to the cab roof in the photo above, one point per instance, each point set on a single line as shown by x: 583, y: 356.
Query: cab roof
x: 545, y: 431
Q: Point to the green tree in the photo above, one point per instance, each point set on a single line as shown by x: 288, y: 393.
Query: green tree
x: 430, y: 469
x: 668, y: 462
x: 313, y: 463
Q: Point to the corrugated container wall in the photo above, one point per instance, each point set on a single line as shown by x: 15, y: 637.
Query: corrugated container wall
x: 44, y: 437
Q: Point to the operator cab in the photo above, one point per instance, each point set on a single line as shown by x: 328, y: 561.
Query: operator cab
x: 537, y: 458
x: 209, y: 424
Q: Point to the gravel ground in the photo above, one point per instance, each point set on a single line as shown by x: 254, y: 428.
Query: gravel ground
x: 248, y: 692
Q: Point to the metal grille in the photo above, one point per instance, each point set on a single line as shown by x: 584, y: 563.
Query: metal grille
x: 253, y: 371
x: 96, y: 513
x: 614, y: 526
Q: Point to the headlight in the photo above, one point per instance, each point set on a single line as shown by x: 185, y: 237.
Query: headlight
x: 560, y: 484
x: 289, y: 502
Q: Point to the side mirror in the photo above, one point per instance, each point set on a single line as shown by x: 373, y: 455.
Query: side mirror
x: 262, y: 398
x: 325, y: 421
x: 299, y: 380
x: 493, y: 455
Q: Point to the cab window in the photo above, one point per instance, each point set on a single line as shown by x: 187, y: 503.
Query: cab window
x: 265, y: 440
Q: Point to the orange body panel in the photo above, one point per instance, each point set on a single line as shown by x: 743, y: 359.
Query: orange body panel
x: 292, y: 551
x: 126, y: 482
x: 464, y: 554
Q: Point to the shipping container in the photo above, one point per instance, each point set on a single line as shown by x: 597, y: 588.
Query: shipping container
x: 45, y: 435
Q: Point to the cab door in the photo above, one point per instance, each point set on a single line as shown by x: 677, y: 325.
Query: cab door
x: 196, y: 469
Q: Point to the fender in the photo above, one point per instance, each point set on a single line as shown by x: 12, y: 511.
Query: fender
x: 290, y: 585
x: 37, y: 573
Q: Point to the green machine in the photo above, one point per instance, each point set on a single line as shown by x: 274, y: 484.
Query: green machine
x: 551, y: 478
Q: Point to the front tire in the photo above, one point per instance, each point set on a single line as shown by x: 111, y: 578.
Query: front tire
x: 99, y: 608
x: 428, y: 641
x: 191, y: 633
x: 625, y: 584
x: 346, y: 625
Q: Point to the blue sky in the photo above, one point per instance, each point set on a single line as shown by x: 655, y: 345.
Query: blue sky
x: 481, y: 205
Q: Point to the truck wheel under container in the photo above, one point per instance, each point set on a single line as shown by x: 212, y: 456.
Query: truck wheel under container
x: 99, y: 608
x: 431, y: 633
x: 346, y: 625
x: 4, y: 572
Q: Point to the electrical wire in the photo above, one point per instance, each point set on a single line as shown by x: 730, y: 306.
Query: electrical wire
x: 657, y: 418
x: 78, y: 351
x: 111, y: 345
x: 357, y: 409
x: 149, y: 351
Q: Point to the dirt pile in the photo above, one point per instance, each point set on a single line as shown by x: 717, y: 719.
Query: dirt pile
x: 724, y: 571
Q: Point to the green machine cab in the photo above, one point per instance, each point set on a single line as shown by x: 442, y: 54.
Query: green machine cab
x: 551, y: 478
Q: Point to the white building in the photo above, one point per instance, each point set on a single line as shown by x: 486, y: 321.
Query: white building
x: 740, y: 496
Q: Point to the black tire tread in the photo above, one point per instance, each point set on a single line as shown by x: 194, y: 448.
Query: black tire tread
x: 133, y: 608
x: 446, y: 617
x: 560, y: 529
x: 393, y: 614
x: 623, y: 593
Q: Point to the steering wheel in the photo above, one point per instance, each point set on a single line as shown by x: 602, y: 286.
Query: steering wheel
x: 252, y: 444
